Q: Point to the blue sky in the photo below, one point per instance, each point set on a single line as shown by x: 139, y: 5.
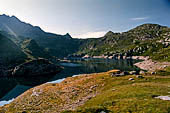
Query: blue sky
x: 88, y: 18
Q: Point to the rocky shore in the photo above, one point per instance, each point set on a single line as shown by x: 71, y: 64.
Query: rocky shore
x: 38, y: 67
x: 115, y: 56
x: 151, y: 65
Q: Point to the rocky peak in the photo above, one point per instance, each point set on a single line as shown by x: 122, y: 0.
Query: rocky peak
x: 68, y: 36
x: 4, y: 15
x: 149, y: 27
x: 109, y: 33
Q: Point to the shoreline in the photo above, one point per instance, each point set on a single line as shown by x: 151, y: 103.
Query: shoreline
x: 4, y: 102
x: 107, y: 57
x: 152, y: 66
x: 147, y: 64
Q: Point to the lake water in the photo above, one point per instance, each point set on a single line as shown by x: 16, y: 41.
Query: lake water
x: 12, y: 87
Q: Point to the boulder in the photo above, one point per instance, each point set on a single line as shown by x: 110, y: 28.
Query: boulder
x: 130, y: 79
x: 133, y: 73
x: 119, y: 74
x: 152, y: 73
x: 139, y: 76
x: 125, y: 73
x: 86, y: 56
x: 39, y: 67
x: 115, y: 75
x: 141, y: 72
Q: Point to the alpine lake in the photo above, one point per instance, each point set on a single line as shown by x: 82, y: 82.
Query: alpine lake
x: 13, y: 87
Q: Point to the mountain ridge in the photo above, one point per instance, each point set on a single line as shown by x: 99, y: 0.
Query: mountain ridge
x: 140, y: 40
x: 22, y: 27
x: 108, y: 45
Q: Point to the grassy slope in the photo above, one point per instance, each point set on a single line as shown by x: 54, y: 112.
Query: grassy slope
x: 114, y: 94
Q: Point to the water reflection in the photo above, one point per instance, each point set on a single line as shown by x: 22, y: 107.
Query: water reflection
x: 12, y: 87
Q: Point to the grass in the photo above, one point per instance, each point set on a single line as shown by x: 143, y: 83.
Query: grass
x: 130, y: 96
x: 95, y: 93
x: 164, y: 72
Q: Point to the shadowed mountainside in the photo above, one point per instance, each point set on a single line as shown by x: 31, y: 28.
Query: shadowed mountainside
x: 18, y: 31
x: 11, y: 54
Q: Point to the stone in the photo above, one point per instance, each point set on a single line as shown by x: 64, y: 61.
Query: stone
x: 152, y: 73
x: 102, y: 112
x: 119, y: 74
x: 132, y: 72
x: 139, y: 76
x: 131, y: 79
x: 163, y: 97
x: 126, y: 73
x: 92, y: 87
x: 111, y: 57
x: 113, y: 89
x: 115, y: 75
x: 141, y: 72
x: 86, y: 56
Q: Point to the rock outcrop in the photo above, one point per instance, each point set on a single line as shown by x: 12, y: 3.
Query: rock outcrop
x: 152, y: 66
x: 40, y: 67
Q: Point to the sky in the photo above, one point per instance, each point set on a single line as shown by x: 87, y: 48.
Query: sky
x: 88, y: 18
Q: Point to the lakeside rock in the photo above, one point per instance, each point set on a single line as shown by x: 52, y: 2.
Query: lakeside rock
x: 141, y: 57
x: 152, y: 66
x: 118, y: 73
x: 118, y: 57
x: 39, y: 67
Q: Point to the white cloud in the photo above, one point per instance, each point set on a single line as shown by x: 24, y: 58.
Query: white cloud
x: 140, y: 18
x: 91, y: 34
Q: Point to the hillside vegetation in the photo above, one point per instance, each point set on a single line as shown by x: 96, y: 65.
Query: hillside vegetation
x: 148, y: 40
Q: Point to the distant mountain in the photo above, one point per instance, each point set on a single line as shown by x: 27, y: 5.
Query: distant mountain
x: 141, y: 40
x: 18, y: 28
x: 18, y: 31
x: 146, y: 39
x: 10, y: 53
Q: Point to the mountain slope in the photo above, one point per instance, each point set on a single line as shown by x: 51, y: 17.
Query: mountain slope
x: 142, y: 40
x: 11, y: 54
x: 139, y: 41
x: 16, y: 30
x: 33, y: 50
